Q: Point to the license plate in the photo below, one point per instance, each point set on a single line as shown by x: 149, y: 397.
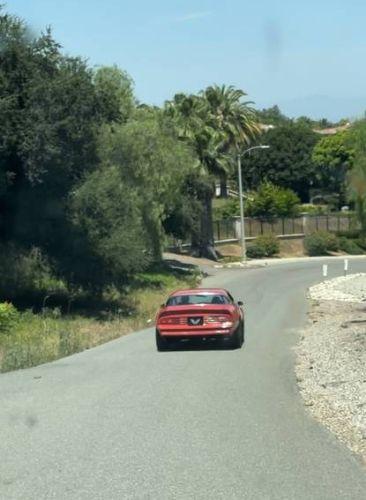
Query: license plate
x: 195, y: 321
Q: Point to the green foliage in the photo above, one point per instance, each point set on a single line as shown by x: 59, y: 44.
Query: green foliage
x: 361, y: 242
x: 215, y: 123
x: 272, y: 116
x: 114, y: 92
x: 287, y: 163
x: 228, y: 209
x: 50, y: 114
x: 106, y: 212
x: 9, y: 317
x: 349, y: 246
x: 272, y: 201
x: 255, y: 252
x: 353, y: 234
x: 85, y: 176
x: 266, y: 245
x: 334, y: 157
x: 27, y: 273
x: 357, y: 176
x: 314, y: 209
x: 320, y: 243
x: 40, y: 338
x: 182, y: 218
x: 152, y: 164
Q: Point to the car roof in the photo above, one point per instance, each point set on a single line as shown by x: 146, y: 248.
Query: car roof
x: 199, y: 291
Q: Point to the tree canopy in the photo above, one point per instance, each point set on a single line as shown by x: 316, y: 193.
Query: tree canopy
x: 216, y: 124
x: 287, y: 163
x: 333, y: 155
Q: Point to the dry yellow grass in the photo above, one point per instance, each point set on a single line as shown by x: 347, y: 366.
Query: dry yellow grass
x: 42, y: 338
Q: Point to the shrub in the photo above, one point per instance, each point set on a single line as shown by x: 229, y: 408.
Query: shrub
x: 314, y: 209
x: 349, y: 246
x: 320, y: 243
x: 351, y: 233
x: 255, y: 252
x: 230, y: 208
x: 26, y: 273
x: 9, y: 317
x: 272, y: 201
x: 264, y: 246
x: 361, y: 242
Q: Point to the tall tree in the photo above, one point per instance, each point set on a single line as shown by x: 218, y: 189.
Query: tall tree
x: 51, y: 110
x: 333, y: 156
x: 235, y: 120
x: 114, y: 92
x: 357, y: 176
x: 216, y: 123
x: 287, y: 163
x: 152, y: 163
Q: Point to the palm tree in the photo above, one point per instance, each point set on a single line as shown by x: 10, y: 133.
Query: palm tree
x: 236, y: 119
x: 215, y: 123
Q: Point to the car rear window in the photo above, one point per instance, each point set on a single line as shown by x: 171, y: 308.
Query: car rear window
x: 183, y: 300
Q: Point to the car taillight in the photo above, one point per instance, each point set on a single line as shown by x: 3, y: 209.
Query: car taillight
x: 170, y: 321
x: 217, y: 319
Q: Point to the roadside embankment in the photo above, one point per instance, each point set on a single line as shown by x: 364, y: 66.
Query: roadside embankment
x: 29, y: 339
x: 331, y: 359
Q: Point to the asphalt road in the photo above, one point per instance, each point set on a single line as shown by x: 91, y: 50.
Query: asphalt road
x: 124, y: 422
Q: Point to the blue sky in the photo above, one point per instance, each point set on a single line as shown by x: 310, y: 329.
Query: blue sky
x: 306, y: 56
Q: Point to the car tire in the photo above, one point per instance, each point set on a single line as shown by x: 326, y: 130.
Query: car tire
x: 238, y: 337
x: 162, y: 344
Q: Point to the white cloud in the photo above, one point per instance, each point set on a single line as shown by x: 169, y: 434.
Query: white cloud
x: 192, y: 16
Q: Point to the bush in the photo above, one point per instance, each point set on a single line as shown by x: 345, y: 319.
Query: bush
x: 361, y: 242
x: 230, y: 208
x: 314, y: 209
x: 26, y: 273
x: 9, y: 317
x: 264, y: 246
x: 349, y: 246
x: 320, y: 243
x: 350, y: 234
x: 272, y: 201
x: 255, y: 252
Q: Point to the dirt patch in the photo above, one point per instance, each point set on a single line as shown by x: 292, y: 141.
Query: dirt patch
x: 292, y: 248
x: 232, y: 250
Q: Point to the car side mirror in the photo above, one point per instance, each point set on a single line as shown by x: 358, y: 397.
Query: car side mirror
x: 162, y: 306
x: 240, y: 303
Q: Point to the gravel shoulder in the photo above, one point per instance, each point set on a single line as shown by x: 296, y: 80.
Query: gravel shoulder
x: 331, y: 359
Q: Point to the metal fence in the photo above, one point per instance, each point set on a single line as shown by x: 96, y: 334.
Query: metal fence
x: 305, y: 224
x: 229, y: 229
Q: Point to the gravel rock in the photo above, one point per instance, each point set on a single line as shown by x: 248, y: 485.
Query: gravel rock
x: 351, y: 288
x: 331, y: 368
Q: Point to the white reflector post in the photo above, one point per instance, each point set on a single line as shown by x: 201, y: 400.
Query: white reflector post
x: 325, y: 270
x: 345, y: 266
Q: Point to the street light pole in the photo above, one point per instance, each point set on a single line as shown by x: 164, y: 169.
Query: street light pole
x: 241, y: 202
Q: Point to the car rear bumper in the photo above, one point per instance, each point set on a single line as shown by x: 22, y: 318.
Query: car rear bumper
x: 194, y: 333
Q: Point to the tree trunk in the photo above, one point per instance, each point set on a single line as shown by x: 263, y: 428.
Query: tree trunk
x: 223, y: 186
x: 154, y: 233
x: 203, y: 245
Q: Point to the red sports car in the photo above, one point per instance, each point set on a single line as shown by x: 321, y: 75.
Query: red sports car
x: 200, y: 313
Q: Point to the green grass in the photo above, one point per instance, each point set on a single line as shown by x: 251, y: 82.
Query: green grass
x: 44, y: 337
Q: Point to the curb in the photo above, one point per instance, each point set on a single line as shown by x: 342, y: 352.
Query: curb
x: 268, y: 262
